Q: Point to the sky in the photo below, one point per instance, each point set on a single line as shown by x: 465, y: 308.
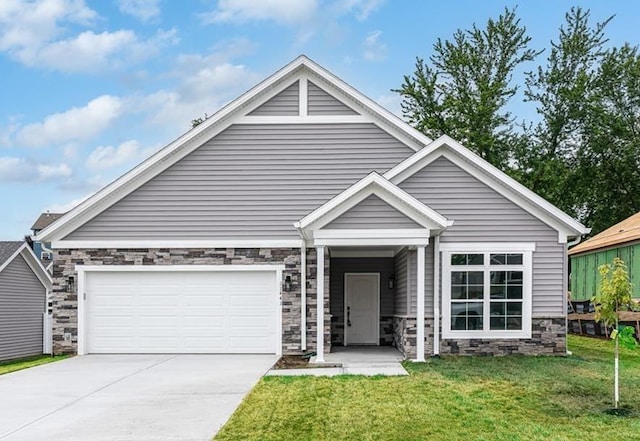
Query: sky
x: 90, y: 88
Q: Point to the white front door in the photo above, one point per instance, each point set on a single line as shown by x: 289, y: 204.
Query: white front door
x: 362, y: 301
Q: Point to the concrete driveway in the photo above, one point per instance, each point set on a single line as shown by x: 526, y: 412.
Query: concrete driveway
x: 127, y: 397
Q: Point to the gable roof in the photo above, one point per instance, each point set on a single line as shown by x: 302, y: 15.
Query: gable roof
x: 385, y: 190
x: 10, y: 250
x: 492, y: 176
x: 621, y: 233
x: 234, y: 112
x: 44, y: 220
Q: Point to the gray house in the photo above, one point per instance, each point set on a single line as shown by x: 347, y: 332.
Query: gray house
x: 221, y: 241
x: 24, y: 284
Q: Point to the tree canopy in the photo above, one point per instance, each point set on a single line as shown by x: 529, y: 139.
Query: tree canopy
x: 582, y: 151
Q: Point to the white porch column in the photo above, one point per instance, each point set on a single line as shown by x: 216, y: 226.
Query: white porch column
x: 436, y: 295
x: 420, y: 304
x: 320, y: 304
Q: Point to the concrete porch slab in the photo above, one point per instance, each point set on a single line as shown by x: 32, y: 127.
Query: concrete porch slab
x: 352, y: 360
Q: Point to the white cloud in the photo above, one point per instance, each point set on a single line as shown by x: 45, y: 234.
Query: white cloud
x: 280, y: 11
x: 373, y: 48
x: 360, y: 8
x: 105, y: 157
x: 76, y: 124
x: 63, y: 208
x: 144, y: 10
x: 13, y: 169
x: 34, y: 33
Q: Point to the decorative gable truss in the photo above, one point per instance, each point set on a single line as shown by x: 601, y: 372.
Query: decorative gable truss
x: 300, y: 93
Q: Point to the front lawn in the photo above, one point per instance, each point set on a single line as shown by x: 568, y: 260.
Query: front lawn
x: 465, y: 398
x: 24, y: 363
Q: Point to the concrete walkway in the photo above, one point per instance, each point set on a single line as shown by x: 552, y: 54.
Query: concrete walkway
x: 127, y: 397
x: 352, y: 360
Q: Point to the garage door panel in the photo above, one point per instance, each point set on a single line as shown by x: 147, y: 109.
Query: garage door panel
x: 181, y: 312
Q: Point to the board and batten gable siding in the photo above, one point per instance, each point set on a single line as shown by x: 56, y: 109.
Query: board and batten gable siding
x: 284, y: 103
x: 250, y: 181
x: 321, y: 103
x: 483, y: 215
x: 372, y: 212
x: 22, y: 304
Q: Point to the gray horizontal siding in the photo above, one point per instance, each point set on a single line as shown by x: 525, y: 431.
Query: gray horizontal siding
x: 402, y: 282
x: 321, y: 103
x: 483, y: 215
x: 372, y: 212
x: 250, y: 181
x: 284, y: 103
x: 342, y: 265
x: 22, y: 303
x: 412, y: 257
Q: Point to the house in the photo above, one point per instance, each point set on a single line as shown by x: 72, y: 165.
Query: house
x: 221, y: 241
x: 42, y: 250
x: 621, y: 240
x: 24, y: 285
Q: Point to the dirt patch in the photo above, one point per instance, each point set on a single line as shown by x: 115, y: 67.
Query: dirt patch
x: 292, y: 362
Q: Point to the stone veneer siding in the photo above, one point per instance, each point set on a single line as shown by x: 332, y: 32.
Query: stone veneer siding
x: 65, y: 304
x: 548, y: 337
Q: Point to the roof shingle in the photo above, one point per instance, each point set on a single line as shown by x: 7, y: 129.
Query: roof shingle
x: 626, y: 231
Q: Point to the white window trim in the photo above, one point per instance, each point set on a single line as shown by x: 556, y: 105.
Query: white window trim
x: 526, y: 249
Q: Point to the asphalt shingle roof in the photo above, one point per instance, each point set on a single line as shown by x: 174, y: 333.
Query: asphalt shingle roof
x: 7, y: 249
x: 45, y: 219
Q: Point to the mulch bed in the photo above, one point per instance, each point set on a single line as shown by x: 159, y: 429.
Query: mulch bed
x: 292, y: 362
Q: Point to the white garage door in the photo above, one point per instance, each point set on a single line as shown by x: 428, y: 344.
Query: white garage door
x: 181, y: 312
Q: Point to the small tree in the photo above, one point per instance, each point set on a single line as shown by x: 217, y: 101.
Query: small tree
x: 615, y: 296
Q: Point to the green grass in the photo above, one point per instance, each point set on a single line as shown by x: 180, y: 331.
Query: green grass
x: 24, y: 363
x: 465, y: 398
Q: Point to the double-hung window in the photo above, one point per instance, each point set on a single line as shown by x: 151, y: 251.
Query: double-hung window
x: 486, y: 290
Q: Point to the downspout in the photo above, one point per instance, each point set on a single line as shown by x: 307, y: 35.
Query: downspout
x: 565, y: 281
x: 303, y: 289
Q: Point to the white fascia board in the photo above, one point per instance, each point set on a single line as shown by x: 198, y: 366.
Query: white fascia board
x: 153, y: 244
x: 490, y: 175
x: 345, y: 253
x: 464, y: 247
x: 390, y: 194
x: 371, y: 233
x: 371, y: 242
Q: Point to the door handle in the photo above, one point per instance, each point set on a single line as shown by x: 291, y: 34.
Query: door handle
x: 348, y: 315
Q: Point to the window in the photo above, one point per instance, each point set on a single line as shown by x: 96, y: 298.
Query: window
x: 486, y: 290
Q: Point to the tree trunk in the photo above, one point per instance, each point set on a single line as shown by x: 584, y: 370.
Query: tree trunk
x: 616, y: 388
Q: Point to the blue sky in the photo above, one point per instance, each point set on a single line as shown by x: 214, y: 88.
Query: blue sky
x: 90, y: 88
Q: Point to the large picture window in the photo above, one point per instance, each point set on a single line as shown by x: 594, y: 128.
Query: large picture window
x: 486, y: 290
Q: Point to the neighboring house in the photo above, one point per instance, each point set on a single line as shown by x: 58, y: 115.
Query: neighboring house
x: 621, y: 240
x: 24, y: 285
x: 220, y: 241
x: 42, y: 250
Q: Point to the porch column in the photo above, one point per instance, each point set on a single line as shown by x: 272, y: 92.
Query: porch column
x: 436, y: 295
x: 320, y: 304
x: 420, y: 304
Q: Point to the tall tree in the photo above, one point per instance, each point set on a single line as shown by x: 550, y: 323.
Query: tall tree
x: 464, y: 88
x: 562, y: 91
x: 609, y: 160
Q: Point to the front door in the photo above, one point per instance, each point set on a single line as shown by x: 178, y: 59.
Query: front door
x: 362, y: 301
